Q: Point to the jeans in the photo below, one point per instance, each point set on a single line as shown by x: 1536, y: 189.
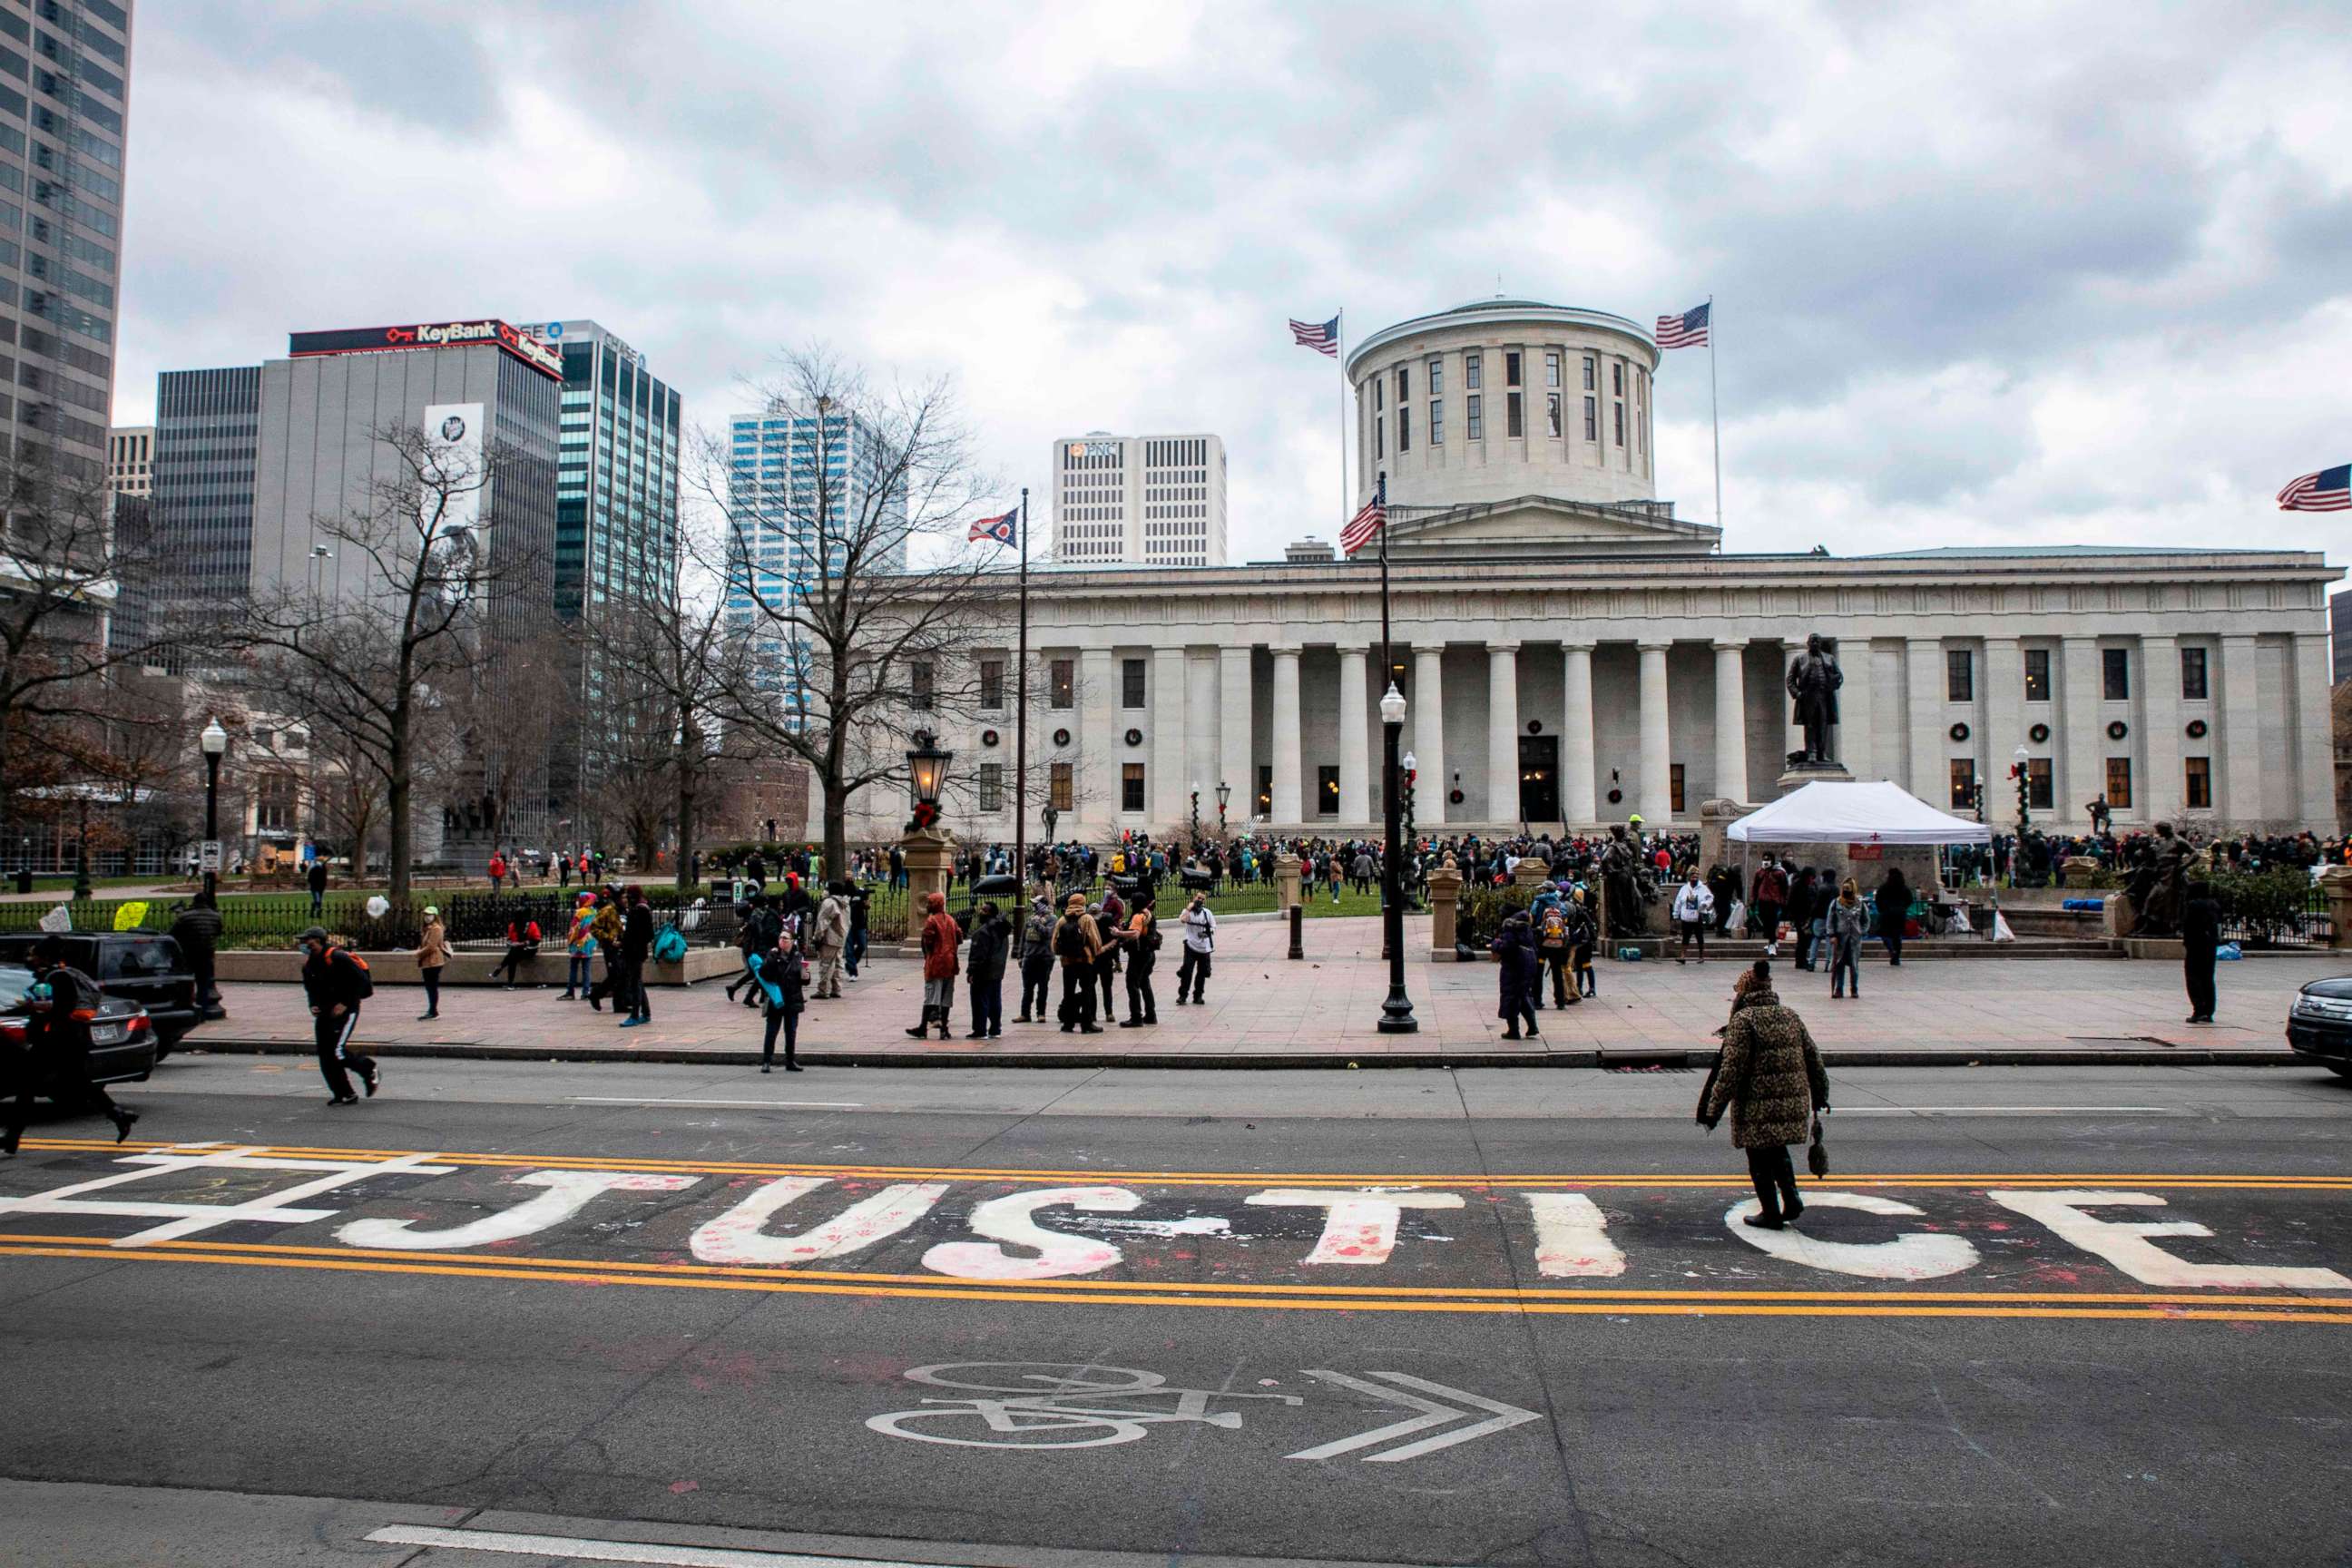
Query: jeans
x: 1557, y: 963
x: 855, y: 954
x: 789, y: 1023
x: 1845, y: 955
x: 1775, y: 1178
x: 432, y: 978
x: 1193, y: 968
x: 1077, y: 997
x: 1141, y: 1003
x: 576, y: 981
x: 988, y: 1006
x: 1587, y: 985
x: 317, y: 903
x: 1036, y: 982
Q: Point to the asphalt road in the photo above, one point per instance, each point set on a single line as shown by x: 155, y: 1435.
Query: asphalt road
x: 1396, y: 1317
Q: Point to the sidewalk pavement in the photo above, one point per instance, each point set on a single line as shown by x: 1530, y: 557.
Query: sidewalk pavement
x: 1264, y: 1010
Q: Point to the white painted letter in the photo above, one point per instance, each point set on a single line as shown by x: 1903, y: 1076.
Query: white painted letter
x: 1572, y: 1238
x: 1007, y: 1219
x: 2127, y: 1246
x: 736, y: 1238
x: 1911, y: 1255
x: 1362, y: 1226
x: 568, y: 1192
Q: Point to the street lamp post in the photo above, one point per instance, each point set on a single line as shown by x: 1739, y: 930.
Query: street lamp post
x: 1224, y: 796
x: 81, y: 845
x: 1196, y: 817
x: 1396, y: 1012
x: 2022, y: 772
x: 1404, y: 791
x: 215, y: 741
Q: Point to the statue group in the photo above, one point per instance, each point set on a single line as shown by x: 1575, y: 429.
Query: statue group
x: 1814, y: 681
x: 1626, y: 883
x: 2156, y: 883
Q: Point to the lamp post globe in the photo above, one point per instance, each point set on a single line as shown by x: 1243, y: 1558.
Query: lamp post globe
x: 214, y: 743
x: 927, y: 770
x: 1396, y: 1011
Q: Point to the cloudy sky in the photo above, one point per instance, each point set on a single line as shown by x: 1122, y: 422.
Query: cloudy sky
x: 1984, y: 274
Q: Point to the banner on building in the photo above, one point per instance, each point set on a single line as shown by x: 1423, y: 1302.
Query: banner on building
x: 453, y: 471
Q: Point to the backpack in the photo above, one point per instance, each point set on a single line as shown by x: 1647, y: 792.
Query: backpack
x: 362, y: 983
x: 1555, y: 927
x: 669, y: 944
x: 1069, y: 942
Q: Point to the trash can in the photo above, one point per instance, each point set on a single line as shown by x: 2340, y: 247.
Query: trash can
x: 24, y: 878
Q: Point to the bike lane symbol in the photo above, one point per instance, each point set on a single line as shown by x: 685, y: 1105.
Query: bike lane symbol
x: 1045, y: 1405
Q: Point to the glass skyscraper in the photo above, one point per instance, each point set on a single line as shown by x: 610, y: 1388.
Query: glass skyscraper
x: 198, y: 548
x: 616, y: 487
x: 64, y: 70
x: 773, y: 496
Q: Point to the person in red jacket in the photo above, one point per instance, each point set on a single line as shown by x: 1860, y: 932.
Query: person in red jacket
x: 522, y: 941
x: 941, y: 935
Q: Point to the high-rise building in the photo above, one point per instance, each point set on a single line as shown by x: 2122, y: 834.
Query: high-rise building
x: 616, y: 486
x: 131, y: 459
x: 196, y: 545
x: 777, y: 508
x: 1152, y: 500
x: 64, y: 70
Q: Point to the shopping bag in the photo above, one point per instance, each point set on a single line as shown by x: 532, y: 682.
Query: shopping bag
x: 2001, y: 932
x: 1816, y: 1158
x: 2228, y: 950
x: 1739, y: 921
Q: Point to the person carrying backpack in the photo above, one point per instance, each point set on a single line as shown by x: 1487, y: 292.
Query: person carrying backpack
x: 778, y: 977
x: 1553, y: 947
x: 1140, y: 939
x: 991, y: 939
x: 1076, y: 945
x: 1200, y: 947
x: 1036, y: 960
x: 1583, y: 932
x: 337, y: 981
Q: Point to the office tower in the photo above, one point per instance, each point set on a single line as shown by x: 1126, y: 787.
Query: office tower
x: 1156, y: 500
x: 616, y: 486
x: 63, y: 66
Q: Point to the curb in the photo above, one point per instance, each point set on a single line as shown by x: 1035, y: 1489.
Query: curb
x: 1634, y: 1060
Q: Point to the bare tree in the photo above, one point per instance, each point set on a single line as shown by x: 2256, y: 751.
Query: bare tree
x: 382, y: 668
x: 847, y: 571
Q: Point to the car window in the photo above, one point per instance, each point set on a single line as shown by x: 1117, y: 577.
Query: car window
x: 141, y: 959
x: 13, y: 983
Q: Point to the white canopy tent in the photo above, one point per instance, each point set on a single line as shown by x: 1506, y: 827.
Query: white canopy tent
x: 1823, y: 813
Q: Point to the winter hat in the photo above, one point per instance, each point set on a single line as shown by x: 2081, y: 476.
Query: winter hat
x: 431, y: 913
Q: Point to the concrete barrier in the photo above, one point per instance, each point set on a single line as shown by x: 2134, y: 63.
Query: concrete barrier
x: 270, y: 966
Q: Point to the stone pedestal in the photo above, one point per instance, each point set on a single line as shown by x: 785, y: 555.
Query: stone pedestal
x: 2079, y: 866
x: 2336, y: 881
x: 1285, y: 880
x: 1444, y: 901
x: 1530, y: 872
x: 928, y: 851
x: 1714, y: 820
x: 1800, y: 775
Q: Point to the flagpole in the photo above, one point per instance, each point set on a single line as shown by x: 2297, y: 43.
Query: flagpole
x: 1020, y: 731
x: 1346, y: 510
x: 1714, y: 415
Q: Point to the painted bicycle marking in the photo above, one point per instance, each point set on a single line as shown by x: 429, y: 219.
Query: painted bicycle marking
x: 1045, y: 1405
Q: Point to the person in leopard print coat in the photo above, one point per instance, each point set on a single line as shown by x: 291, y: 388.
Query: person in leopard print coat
x: 1769, y: 1077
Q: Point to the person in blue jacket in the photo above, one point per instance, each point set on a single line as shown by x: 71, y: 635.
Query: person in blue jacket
x: 777, y: 973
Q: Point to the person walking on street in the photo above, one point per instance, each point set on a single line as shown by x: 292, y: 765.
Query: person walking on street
x: 1199, y: 950
x: 197, y: 928
x: 992, y: 942
x: 317, y: 879
x: 1694, y: 908
x: 608, y: 929
x: 1770, y: 892
x: 336, y: 982
x: 579, y: 946
x: 55, y: 1053
x: 1894, y: 914
x: 636, y: 944
x: 828, y: 935
x: 497, y: 869
x: 1849, y: 919
x: 2201, y: 941
x: 1036, y: 961
x: 1141, y: 942
x: 1076, y: 945
x: 1769, y: 1077
x: 431, y: 955
x: 1550, y: 927
x: 1517, y: 975
x: 939, y: 936
x: 776, y: 975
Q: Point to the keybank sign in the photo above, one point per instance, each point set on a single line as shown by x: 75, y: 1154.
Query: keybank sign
x: 539, y: 355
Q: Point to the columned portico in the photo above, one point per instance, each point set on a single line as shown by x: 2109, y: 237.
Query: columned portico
x: 1503, y: 732
x: 1731, y: 721
x: 1576, y: 762
x: 1429, y: 731
x: 1657, y: 749
x: 1234, y: 732
x: 1355, y: 747
x: 1287, y: 804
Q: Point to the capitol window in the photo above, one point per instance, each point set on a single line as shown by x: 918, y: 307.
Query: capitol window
x: 1475, y: 429
x: 1510, y: 367
x: 1552, y: 367
x: 1592, y: 374
x: 1553, y: 398
x: 1436, y: 422
x: 1511, y: 422
x: 1437, y: 377
x: 1592, y: 419
x: 1404, y: 429
x: 1404, y: 385
x: 1470, y: 372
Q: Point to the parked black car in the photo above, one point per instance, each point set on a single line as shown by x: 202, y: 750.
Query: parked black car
x: 2319, y: 1023
x: 140, y: 966
x: 122, y: 1044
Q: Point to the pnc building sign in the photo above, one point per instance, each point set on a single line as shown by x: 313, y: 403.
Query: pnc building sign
x: 523, y: 347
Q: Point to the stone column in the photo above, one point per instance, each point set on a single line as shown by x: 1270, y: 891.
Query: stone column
x: 1503, y: 729
x: 1577, y: 766
x: 1355, y: 740
x: 2240, y: 798
x: 1657, y: 746
x: 1287, y: 811
x: 1168, y: 786
x: 2156, y: 786
x: 2336, y: 883
x: 2004, y: 727
x: 1444, y: 894
x: 1851, y: 744
x: 1200, y: 732
x: 2082, y: 731
x: 928, y: 852
x: 1923, y: 717
x: 1099, y: 729
x: 1428, y: 734
x: 2315, y: 743
x: 1234, y: 736
x: 1730, y: 721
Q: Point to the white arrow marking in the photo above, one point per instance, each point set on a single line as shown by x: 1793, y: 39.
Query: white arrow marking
x: 1433, y: 1414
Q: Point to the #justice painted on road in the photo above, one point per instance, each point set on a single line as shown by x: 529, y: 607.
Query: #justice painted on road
x: 2241, y: 1248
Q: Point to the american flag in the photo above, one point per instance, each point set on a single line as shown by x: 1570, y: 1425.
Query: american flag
x: 998, y: 530
x: 1687, y: 330
x: 2330, y: 489
x: 1366, y: 524
x: 1323, y: 337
